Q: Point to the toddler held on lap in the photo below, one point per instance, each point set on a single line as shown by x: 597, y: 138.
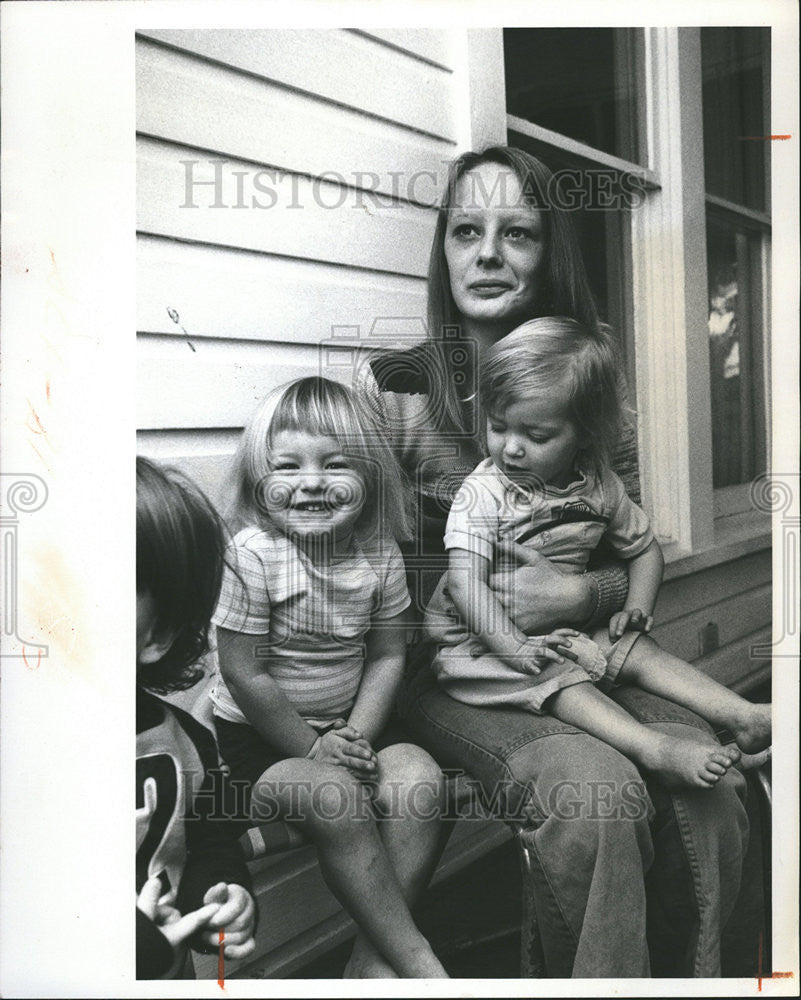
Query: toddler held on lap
x: 549, y: 393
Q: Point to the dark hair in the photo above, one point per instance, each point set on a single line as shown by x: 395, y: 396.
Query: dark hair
x: 180, y: 549
x: 555, y: 350
x: 565, y: 290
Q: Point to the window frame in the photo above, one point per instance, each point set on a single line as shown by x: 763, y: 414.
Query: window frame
x: 669, y: 301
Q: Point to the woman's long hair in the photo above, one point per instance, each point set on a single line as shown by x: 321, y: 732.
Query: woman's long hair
x: 565, y: 290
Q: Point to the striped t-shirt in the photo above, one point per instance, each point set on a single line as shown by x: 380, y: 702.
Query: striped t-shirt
x: 313, y: 619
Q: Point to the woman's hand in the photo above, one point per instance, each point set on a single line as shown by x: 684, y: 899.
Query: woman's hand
x: 536, y: 595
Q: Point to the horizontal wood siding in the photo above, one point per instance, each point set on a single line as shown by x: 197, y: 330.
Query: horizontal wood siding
x: 285, y: 190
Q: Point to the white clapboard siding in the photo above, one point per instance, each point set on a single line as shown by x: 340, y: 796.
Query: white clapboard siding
x: 429, y: 44
x: 343, y: 67
x: 735, y: 665
x: 217, y: 109
x: 714, y: 584
x: 292, y: 215
x: 735, y: 617
x: 241, y: 295
x: 219, y: 383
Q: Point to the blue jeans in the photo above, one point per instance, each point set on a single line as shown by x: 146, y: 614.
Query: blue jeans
x: 628, y: 879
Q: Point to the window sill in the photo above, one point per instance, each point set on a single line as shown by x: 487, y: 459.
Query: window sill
x: 735, y: 536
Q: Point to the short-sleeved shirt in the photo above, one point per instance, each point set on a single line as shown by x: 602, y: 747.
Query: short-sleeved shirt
x: 565, y: 525
x: 309, y: 622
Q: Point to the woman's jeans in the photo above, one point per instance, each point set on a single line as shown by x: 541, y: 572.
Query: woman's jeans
x: 628, y: 879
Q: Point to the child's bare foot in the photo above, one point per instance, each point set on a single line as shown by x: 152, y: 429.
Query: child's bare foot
x: 684, y: 763
x: 753, y: 733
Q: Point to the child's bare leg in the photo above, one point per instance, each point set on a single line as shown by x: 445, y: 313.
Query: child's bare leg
x: 332, y: 809
x: 681, y: 762
x: 654, y: 669
x: 409, y: 797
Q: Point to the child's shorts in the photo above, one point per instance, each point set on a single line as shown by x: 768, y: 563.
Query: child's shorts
x: 248, y: 756
x: 474, y: 676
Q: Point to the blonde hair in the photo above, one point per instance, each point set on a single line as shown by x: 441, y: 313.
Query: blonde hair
x: 321, y: 406
x: 553, y: 350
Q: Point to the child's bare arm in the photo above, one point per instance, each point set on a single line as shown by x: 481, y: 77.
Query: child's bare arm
x: 486, y: 617
x: 384, y: 659
x: 262, y: 701
x: 269, y: 711
x: 645, y: 578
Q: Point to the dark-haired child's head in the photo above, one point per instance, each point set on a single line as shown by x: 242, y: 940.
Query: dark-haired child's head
x: 568, y: 378
x: 180, y: 549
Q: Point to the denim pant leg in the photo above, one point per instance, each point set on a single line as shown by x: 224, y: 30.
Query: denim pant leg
x: 700, y: 840
x: 587, y: 828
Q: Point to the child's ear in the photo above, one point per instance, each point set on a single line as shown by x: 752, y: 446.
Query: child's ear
x: 156, y: 646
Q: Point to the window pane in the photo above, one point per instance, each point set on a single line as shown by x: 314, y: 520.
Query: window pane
x: 735, y: 352
x: 736, y: 78
x: 603, y: 226
x: 580, y: 82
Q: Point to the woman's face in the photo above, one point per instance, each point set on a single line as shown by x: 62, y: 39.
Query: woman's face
x: 494, y: 247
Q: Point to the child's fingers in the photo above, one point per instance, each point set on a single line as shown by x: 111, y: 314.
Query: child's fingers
x: 568, y: 654
x: 649, y: 623
x: 148, y: 898
x: 186, y: 927
x: 217, y: 893
x: 240, y: 950
x: 347, y: 732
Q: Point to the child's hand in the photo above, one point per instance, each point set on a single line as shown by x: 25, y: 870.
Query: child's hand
x: 540, y: 650
x: 631, y: 620
x: 344, y: 746
x: 235, y: 915
x: 175, y: 928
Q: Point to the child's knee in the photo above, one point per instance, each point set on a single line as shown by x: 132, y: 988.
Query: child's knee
x: 640, y: 657
x: 411, y: 782
x: 336, y: 802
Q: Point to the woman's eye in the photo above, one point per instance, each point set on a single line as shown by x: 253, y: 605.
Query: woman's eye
x: 285, y: 467
x: 497, y: 428
x: 341, y: 464
x: 517, y: 233
x: 464, y: 231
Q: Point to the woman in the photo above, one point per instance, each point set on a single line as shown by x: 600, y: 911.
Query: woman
x: 627, y: 878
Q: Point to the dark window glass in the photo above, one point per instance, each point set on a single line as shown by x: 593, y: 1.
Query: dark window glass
x: 736, y: 366
x: 736, y: 78
x: 580, y: 82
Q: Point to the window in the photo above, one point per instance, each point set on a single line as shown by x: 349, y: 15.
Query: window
x: 736, y: 77
x: 682, y: 269
x: 572, y: 101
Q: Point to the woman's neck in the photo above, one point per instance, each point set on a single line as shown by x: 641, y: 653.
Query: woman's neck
x: 484, y: 334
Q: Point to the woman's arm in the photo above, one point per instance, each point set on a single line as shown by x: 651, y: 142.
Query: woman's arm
x: 384, y: 660
x: 261, y: 700
x: 486, y: 617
